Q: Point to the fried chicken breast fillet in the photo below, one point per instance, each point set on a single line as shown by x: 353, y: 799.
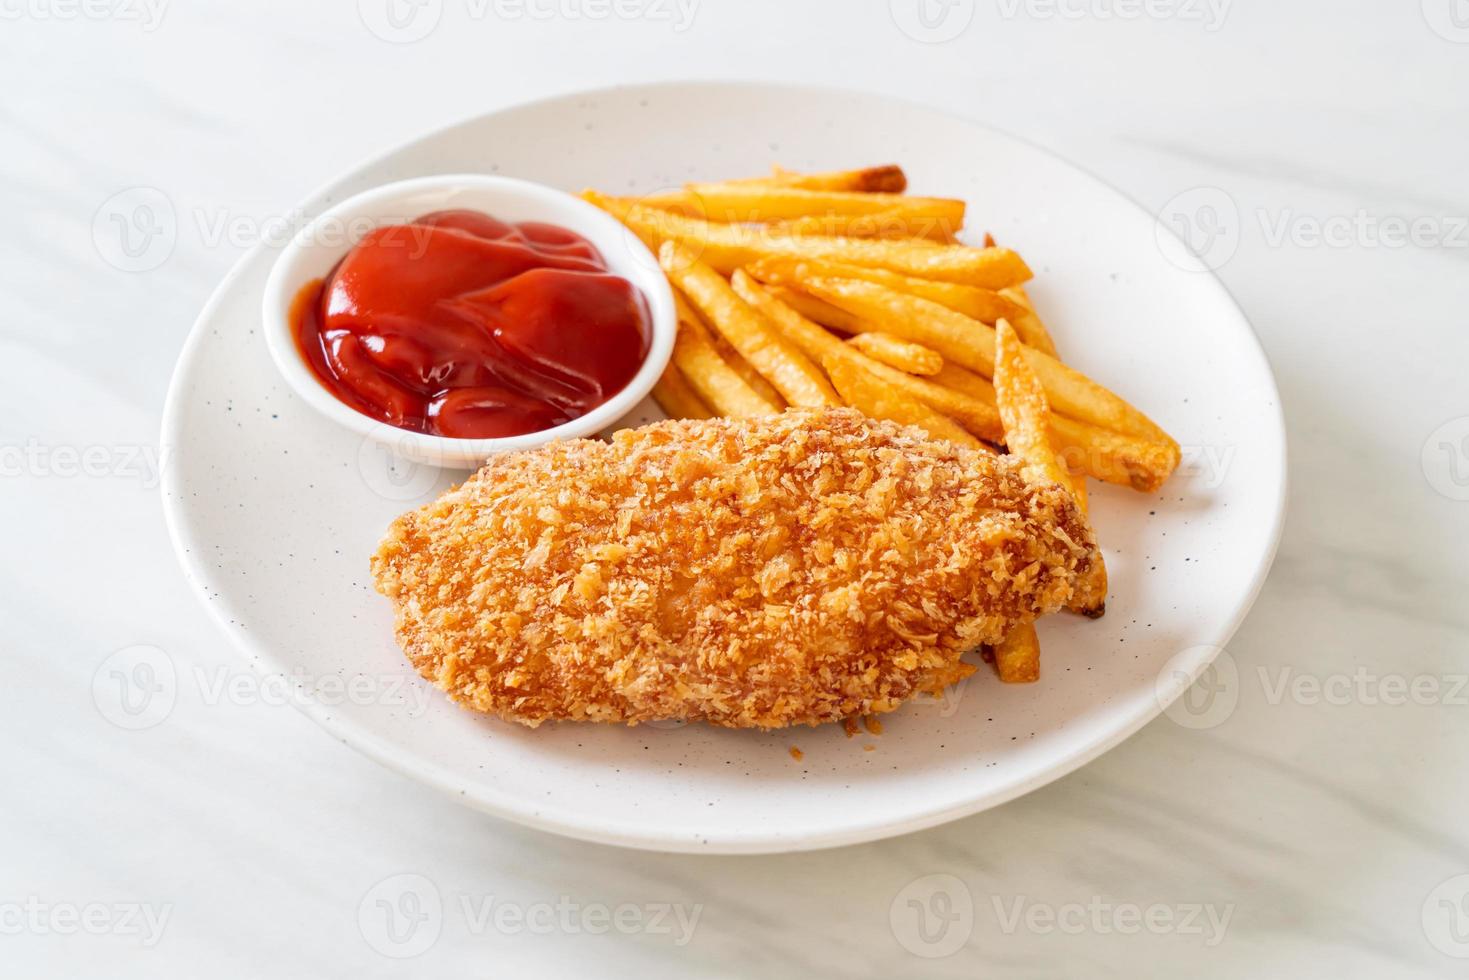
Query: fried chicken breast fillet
x: 796, y: 569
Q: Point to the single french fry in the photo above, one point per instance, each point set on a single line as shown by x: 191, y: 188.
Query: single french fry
x: 677, y: 397
x: 894, y: 224
x: 1027, y: 324
x: 1091, y: 593
x: 980, y: 418
x: 1104, y: 454
x: 820, y: 311
x: 866, y: 393
x: 902, y: 354
x: 1018, y: 656
x: 715, y: 381
x: 1023, y: 409
x: 792, y: 374
x: 727, y: 247
x: 763, y: 202
x: 1022, y: 404
x: 987, y: 305
x: 970, y: 343
x: 888, y: 178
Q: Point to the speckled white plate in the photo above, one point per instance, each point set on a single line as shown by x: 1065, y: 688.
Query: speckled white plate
x: 275, y: 511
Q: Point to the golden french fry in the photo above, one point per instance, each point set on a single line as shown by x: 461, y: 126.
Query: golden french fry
x: 970, y: 343
x: 1113, y: 457
x: 888, y: 178
x: 1027, y: 324
x: 730, y: 247
x: 902, y: 354
x: 677, y: 397
x: 1109, y: 456
x: 1022, y: 404
x: 820, y: 311
x: 880, y: 224
x: 1091, y: 597
x: 763, y: 202
x: 715, y: 381
x: 1018, y: 656
x: 981, y: 304
x: 1023, y: 409
x: 792, y: 374
x: 866, y: 393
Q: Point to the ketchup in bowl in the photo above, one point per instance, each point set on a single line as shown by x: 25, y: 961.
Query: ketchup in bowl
x: 461, y: 325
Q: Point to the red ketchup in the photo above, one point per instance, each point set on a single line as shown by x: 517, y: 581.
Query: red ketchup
x: 461, y: 325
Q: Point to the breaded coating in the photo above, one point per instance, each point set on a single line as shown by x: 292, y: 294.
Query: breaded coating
x: 795, y: 569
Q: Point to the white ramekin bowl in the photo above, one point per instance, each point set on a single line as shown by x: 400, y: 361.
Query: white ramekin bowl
x: 317, y: 248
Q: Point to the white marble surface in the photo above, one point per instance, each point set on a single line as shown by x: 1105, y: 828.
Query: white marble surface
x: 1314, y: 832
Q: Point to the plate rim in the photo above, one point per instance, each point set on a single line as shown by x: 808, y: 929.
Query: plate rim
x: 389, y: 754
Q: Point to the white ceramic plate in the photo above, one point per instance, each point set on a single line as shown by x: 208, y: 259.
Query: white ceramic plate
x: 275, y: 511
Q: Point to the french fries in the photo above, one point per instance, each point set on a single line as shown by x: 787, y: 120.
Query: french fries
x: 742, y: 367
x: 1023, y: 408
x: 980, y: 418
x: 727, y: 247
x: 798, y: 380
x: 888, y: 178
x: 896, y: 352
x: 820, y: 311
x: 835, y: 288
x: 1027, y: 324
x: 1018, y: 656
x: 677, y: 397
x: 866, y: 393
x: 879, y: 224
x: 971, y: 343
x: 762, y: 202
x: 1108, y: 456
x: 714, y: 380
x: 987, y: 305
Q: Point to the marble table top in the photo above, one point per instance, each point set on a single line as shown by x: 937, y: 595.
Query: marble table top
x: 1318, y: 831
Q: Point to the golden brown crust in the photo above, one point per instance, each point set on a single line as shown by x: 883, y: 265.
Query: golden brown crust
x: 795, y: 569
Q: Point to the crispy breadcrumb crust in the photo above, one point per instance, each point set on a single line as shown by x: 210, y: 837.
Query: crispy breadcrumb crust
x: 796, y: 569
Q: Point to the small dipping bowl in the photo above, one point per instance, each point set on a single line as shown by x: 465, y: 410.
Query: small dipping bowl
x: 317, y: 248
